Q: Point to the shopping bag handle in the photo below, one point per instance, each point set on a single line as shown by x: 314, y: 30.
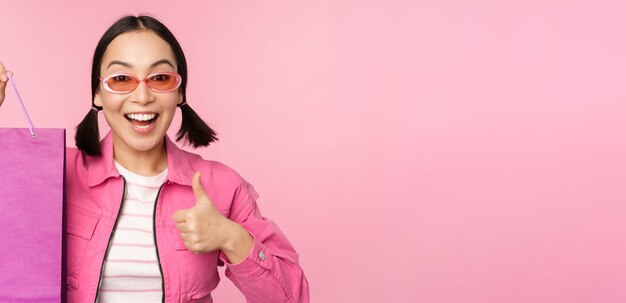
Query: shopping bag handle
x: 31, y: 128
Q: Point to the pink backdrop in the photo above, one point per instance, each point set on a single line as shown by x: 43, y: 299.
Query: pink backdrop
x: 413, y: 151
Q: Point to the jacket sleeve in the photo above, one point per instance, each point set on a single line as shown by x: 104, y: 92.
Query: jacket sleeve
x: 271, y: 272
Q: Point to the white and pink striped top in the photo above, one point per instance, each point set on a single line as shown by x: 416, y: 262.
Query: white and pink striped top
x: 131, y: 272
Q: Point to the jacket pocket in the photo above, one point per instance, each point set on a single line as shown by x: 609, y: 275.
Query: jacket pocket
x: 179, y: 244
x: 198, y: 272
x: 204, y: 299
x: 81, y: 225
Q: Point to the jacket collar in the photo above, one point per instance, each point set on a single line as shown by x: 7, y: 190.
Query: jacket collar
x: 101, y: 168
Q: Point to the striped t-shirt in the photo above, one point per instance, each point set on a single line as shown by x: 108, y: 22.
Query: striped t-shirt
x: 131, y: 272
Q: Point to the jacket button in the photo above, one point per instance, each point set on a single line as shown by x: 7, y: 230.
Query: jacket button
x: 262, y: 256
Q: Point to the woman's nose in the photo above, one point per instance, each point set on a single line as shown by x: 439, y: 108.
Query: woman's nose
x: 142, y: 93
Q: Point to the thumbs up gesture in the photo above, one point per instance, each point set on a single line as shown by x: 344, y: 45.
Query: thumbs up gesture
x: 204, y: 229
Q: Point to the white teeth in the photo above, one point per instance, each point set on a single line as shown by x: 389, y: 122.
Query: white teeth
x: 141, y: 117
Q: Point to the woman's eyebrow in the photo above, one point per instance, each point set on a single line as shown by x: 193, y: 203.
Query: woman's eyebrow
x: 162, y: 61
x: 118, y: 62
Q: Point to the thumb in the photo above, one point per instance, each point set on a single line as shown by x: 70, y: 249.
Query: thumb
x: 3, y: 82
x: 4, y: 76
x: 198, y: 190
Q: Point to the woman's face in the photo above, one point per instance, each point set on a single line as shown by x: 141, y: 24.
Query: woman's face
x: 140, y: 53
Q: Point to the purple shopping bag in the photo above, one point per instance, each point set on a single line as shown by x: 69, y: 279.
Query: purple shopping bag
x: 31, y: 210
x: 32, y: 170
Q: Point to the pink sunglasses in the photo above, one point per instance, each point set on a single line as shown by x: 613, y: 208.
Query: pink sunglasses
x: 126, y: 83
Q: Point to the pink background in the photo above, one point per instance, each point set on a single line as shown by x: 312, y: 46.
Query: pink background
x: 413, y: 151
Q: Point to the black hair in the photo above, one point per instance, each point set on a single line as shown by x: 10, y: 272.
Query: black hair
x: 192, y: 128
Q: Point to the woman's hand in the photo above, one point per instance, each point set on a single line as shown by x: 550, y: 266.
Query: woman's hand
x: 3, y: 82
x: 204, y: 229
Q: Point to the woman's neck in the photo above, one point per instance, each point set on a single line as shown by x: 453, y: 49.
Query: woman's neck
x: 145, y: 163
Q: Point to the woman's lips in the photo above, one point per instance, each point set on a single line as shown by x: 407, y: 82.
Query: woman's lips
x: 142, y: 122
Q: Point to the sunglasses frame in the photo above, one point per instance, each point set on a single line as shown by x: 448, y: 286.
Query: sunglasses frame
x: 104, y: 80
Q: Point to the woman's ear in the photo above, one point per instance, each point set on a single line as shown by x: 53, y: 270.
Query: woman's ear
x: 97, y: 99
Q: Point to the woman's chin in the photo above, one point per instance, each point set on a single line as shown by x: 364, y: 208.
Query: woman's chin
x: 142, y: 143
x: 146, y: 144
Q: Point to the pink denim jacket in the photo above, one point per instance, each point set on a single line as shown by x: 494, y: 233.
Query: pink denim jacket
x: 271, y: 272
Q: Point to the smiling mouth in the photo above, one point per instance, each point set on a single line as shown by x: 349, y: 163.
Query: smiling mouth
x: 141, y: 120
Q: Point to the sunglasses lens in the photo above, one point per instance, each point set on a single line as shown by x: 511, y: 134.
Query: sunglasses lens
x: 163, y: 82
x: 122, y: 83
